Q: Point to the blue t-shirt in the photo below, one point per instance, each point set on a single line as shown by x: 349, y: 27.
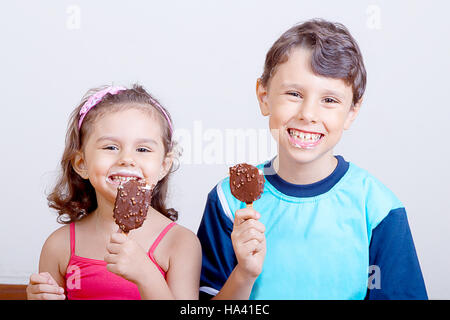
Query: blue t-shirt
x: 344, y: 237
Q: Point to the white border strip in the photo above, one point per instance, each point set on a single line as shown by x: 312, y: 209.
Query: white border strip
x: 209, y: 290
x: 223, y: 201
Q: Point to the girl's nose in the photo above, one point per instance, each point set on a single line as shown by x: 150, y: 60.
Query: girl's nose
x: 126, y: 160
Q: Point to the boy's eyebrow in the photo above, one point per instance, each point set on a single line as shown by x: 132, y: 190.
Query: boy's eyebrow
x: 291, y: 85
x: 333, y: 93
x: 324, y: 92
x: 115, y: 139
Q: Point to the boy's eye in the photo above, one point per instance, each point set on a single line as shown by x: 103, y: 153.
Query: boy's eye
x: 330, y: 100
x: 142, y: 149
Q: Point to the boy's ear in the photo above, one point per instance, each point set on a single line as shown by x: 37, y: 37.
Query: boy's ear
x: 351, y: 116
x: 79, y: 165
x: 261, y: 94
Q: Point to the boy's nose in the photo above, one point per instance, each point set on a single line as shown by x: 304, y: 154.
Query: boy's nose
x: 308, y: 111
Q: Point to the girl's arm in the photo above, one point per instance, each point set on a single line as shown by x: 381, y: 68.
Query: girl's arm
x: 55, y: 249
x: 49, y: 282
x: 183, y: 274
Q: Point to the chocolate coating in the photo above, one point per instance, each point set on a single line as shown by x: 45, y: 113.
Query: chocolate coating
x: 132, y: 203
x: 246, y: 183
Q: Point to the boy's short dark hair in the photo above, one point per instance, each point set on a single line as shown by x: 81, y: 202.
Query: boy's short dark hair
x: 334, y: 53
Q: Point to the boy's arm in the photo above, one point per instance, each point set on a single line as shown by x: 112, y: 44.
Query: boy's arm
x: 218, y: 258
x: 250, y: 248
x: 232, y: 259
x: 237, y: 287
x: 393, y: 259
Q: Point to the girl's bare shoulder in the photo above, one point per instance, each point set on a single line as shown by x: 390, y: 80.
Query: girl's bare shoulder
x: 181, y: 240
x: 178, y: 238
x: 56, y: 249
x: 59, y: 240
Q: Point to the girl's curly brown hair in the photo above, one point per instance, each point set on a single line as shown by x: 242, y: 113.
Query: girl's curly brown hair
x: 74, y: 197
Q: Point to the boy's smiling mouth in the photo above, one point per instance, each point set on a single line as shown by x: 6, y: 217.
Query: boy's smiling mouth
x: 304, y: 139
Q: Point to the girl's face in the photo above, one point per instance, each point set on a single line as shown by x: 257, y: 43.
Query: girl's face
x: 123, y: 145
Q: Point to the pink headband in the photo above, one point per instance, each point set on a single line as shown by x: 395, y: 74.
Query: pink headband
x: 97, y: 97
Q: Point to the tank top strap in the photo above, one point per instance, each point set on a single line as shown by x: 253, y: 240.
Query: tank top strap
x: 160, y: 236
x: 72, y: 238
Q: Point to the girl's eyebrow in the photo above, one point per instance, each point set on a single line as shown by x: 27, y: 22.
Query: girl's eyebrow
x: 146, y: 140
x: 110, y: 138
x: 115, y: 139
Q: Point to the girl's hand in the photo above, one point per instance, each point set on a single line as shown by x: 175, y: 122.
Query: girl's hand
x: 249, y: 242
x: 42, y: 286
x: 126, y: 258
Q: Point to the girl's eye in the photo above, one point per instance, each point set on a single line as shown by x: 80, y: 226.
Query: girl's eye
x: 110, y: 148
x: 294, y: 94
x: 142, y: 149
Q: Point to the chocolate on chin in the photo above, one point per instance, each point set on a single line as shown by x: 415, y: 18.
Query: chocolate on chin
x: 132, y: 203
x: 246, y: 183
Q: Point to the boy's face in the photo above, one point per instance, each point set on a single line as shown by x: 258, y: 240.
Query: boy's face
x: 307, y: 112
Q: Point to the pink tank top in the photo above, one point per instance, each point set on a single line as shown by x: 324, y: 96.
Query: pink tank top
x: 88, y: 279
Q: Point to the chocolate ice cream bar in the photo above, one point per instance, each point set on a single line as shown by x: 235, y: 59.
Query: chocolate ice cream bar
x: 132, y: 203
x: 246, y: 183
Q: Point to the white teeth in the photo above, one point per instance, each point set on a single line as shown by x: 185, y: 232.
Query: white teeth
x: 123, y: 175
x: 304, y: 136
x: 123, y: 179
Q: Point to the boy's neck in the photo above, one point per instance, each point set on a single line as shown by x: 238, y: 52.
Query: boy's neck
x: 304, y: 173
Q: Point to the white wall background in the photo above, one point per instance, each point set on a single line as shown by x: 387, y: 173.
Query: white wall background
x: 201, y: 59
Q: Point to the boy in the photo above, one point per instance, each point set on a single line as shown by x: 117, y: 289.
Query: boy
x: 322, y: 223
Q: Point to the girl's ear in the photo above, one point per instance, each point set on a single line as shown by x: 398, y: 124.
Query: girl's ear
x: 79, y: 165
x: 261, y: 94
x: 351, y: 116
x: 165, y: 166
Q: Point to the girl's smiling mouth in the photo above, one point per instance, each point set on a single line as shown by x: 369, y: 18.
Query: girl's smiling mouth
x: 304, y: 139
x: 123, y: 176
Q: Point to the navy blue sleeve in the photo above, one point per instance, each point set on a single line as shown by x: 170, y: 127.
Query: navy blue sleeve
x: 218, y: 258
x: 396, y: 273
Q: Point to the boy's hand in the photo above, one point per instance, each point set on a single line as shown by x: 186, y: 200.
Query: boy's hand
x: 42, y: 286
x: 249, y: 241
x: 126, y: 258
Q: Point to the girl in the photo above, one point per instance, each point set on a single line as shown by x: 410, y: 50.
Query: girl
x: 116, y: 134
